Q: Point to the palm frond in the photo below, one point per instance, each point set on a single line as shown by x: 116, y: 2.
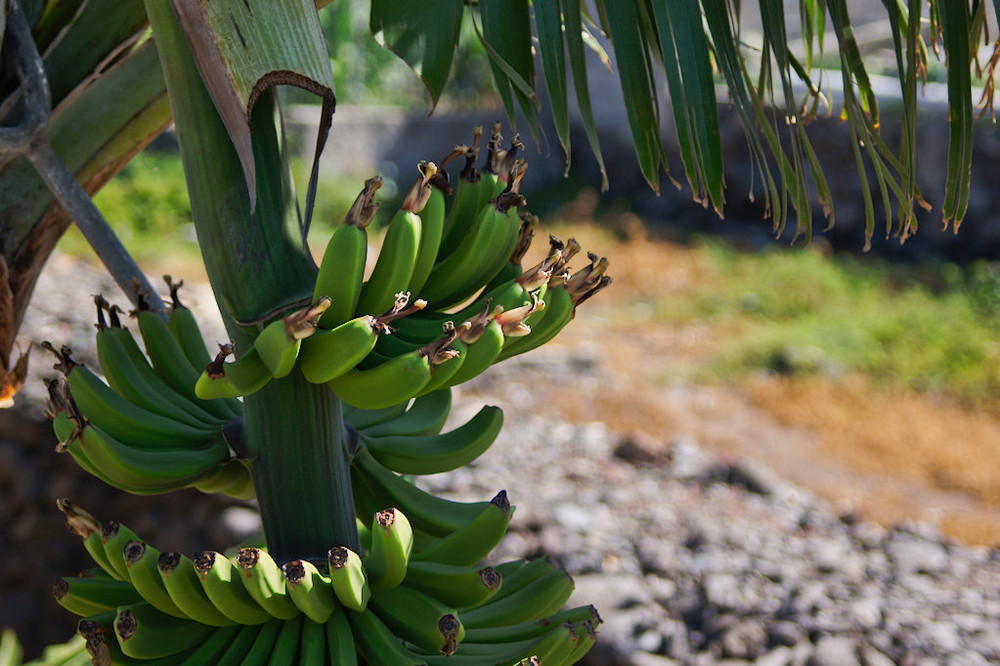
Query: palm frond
x: 775, y: 83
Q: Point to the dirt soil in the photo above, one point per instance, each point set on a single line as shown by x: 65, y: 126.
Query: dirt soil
x: 890, y: 456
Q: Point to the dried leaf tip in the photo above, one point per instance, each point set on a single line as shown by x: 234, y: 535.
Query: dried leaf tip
x: 418, y: 195
x: 363, y: 209
x: 78, y: 521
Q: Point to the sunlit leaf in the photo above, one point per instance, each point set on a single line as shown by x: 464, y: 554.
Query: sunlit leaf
x: 574, y: 46
x: 423, y: 34
x: 548, y: 23
x: 632, y: 59
x: 506, y: 32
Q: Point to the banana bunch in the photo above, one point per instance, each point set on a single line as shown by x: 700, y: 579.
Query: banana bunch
x: 406, y: 598
x: 141, y: 428
x: 457, y: 258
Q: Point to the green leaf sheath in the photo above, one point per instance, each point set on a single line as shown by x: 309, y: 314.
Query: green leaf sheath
x: 256, y: 265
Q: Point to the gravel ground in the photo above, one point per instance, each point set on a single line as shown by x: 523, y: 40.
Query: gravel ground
x: 690, y: 558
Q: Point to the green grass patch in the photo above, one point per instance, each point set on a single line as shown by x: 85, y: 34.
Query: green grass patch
x: 795, y: 311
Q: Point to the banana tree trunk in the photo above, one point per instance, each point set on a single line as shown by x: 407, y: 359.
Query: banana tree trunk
x: 259, y: 269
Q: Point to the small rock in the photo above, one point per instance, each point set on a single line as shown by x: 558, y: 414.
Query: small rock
x: 751, y: 475
x: 641, y: 448
x: 834, y: 651
x: 785, y: 633
x: 916, y: 556
x: 872, y: 657
x: 745, y: 640
x: 943, y: 636
x: 687, y: 459
x: 779, y: 656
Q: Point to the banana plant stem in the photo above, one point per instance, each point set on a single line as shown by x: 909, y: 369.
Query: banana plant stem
x: 296, y: 432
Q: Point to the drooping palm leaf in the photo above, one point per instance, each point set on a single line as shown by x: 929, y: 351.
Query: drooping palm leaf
x: 424, y: 35
x: 695, y: 46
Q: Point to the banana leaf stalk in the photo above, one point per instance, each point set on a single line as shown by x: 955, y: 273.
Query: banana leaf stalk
x: 258, y: 268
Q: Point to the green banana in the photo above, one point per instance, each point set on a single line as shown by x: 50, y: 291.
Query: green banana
x: 265, y: 582
x: 142, y: 562
x: 431, y: 212
x: 63, y: 426
x: 212, y: 649
x: 433, y: 454
x: 507, y: 295
x: 240, y: 645
x: 348, y: 578
x: 543, y: 597
x: 394, y: 267
x: 106, y: 650
x: 68, y: 430
x: 362, y: 419
x: 87, y: 596
x: 518, y: 574
x: 480, y: 354
x: 218, y: 578
x: 279, y: 342
x: 474, y: 541
x: 340, y: 639
x: 285, y: 649
x: 420, y: 619
x: 231, y: 478
x: 513, y: 221
x: 568, y: 647
x: 120, y: 418
x: 183, y: 584
x: 428, y: 513
x: 365, y: 507
x: 114, y: 538
x: 332, y: 353
x: 513, y: 268
x: 102, y: 623
x: 512, y: 321
x: 75, y: 449
x: 451, y: 359
x: 466, y: 203
x: 552, y: 647
x: 185, y: 328
x: 559, y: 310
x: 395, y: 381
x: 88, y: 528
x: 454, y: 585
x: 533, y: 628
x: 312, y: 644
x: 247, y: 374
x: 263, y: 644
x: 377, y: 644
x: 475, y: 261
x: 426, y: 415
x: 145, y: 633
x: 156, y: 470
x: 342, y: 269
x: 309, y: 590
x: 389, y: 550
x: 175, y: 367
x: 128, y: 372
x: 329, y: 354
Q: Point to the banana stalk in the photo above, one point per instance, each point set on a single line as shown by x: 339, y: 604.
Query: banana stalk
x: 294, y: 429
